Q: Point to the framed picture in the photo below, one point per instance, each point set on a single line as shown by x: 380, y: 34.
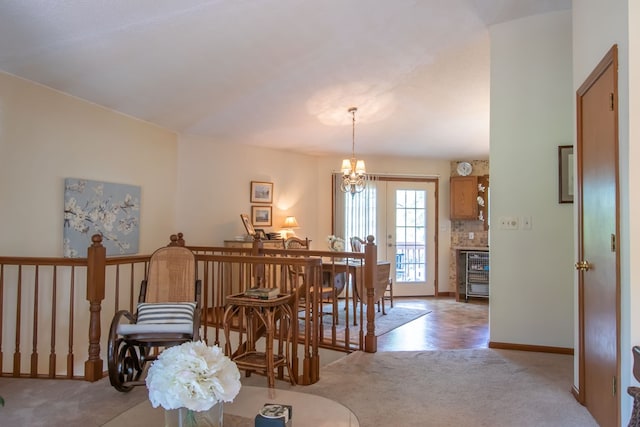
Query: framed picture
x: 261, y: 215
x: 565, y: 174
x: 261, y: 192
x: 261, y: 234
x: 98, y: 207
x: 247, y: 224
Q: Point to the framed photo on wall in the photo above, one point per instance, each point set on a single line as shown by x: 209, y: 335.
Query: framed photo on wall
x: 261, y: 216
x: 261, y: 192
x: 565, y: 174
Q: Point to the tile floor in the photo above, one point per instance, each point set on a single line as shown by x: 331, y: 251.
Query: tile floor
x: 450, y: 325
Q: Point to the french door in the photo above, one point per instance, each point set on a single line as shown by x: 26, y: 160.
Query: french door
x: 401, y: 214
x: 409, y: 236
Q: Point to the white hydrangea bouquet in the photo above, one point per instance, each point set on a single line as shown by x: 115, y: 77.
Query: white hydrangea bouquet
x: 335, y: 243
x: 192, y: 376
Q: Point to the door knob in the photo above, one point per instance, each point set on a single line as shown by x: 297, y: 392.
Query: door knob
x: 582, y: 266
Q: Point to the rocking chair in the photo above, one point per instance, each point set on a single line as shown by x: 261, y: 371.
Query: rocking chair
x: 167, y: 314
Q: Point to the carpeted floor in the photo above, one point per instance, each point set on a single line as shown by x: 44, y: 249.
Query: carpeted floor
x: 479, y: 387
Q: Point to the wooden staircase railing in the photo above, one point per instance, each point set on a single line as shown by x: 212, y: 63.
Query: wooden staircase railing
x: 42, y: 304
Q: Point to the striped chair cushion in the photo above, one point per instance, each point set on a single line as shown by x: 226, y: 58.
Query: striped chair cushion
x: 163, y: 313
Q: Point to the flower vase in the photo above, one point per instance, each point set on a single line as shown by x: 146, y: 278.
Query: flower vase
x: 183, y: 417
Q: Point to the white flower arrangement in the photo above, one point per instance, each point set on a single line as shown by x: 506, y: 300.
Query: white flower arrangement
x: 192, y: 376
x: 335, y: 243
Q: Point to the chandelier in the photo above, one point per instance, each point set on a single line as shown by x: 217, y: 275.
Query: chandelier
x: 353, y: 171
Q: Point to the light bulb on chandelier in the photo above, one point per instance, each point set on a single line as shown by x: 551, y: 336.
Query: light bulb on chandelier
x: 353, y: 171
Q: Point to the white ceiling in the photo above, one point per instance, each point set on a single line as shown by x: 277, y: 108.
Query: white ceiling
x: 275, y: 73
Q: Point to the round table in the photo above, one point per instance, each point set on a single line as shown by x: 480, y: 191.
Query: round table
x: 308, y: 410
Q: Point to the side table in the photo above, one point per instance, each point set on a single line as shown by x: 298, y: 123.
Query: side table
x: 260, y: 313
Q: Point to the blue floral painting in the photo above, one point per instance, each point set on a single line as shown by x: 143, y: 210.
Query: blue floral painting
x: 94, y: 207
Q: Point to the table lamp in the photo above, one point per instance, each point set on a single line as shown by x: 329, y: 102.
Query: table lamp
x: 288, y: 225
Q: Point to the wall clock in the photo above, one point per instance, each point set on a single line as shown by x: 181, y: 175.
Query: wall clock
x: 464, y: 168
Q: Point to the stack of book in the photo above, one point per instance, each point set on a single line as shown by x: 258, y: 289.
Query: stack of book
x: 262, y: 293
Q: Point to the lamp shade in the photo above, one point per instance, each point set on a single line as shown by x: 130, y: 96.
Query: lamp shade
x: 290, y: 222
x: 346, y: 166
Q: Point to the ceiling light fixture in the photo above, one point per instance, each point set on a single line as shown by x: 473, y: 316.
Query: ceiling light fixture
x: 353, y: 171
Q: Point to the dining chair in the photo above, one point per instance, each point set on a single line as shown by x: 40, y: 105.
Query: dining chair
x: 329, y: 290
x: 358, y: 245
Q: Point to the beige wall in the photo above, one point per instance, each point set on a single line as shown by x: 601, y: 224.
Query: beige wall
x: 46, y: 136
x: 214, y: 189
x: 531, y: 272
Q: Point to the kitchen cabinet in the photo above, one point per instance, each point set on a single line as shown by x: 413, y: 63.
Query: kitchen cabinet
x: 464, y: 197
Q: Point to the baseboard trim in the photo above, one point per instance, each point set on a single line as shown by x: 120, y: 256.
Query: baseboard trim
x: 528, y: 347
x: 446, y: 294
x: 576, y: 394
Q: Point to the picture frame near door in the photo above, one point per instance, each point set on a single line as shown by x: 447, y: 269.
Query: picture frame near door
x: 261, y: 216
x: 565, y: 174
x: 261, y: 192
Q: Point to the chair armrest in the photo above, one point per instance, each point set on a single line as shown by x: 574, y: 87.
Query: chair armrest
x: 117, y: 318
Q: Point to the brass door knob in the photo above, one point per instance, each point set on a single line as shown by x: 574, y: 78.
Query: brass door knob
x: 582, y: 266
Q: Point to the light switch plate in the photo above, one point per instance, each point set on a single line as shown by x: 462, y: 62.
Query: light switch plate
x: 509, y: 223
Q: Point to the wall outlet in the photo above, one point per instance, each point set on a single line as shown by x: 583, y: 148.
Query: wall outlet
x: 471, y: 235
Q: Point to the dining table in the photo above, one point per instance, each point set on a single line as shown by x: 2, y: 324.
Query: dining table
x: 355, y: 271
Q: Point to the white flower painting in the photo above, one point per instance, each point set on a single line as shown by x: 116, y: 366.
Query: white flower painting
x: 94, y: 207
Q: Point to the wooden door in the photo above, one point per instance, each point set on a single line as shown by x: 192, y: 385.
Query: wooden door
x: 598, y: 236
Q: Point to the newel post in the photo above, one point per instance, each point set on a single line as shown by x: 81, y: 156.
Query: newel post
x: 370, y: 271
x: 96, y: 266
